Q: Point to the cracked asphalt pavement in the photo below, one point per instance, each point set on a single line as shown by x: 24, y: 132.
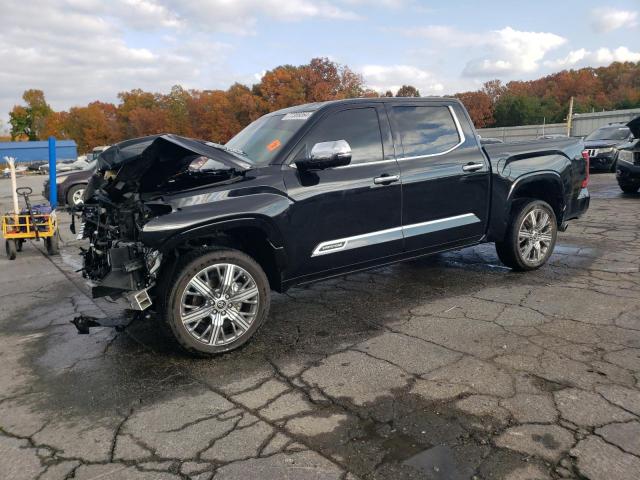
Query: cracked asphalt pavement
x: 452, y: 367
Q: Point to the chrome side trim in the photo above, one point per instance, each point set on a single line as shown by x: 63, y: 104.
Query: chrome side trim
x: 391, y: 234
x: 440, y: 224
x: 364, y: 240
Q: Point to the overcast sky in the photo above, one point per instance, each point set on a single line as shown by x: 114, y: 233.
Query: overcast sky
x: 78, y: 51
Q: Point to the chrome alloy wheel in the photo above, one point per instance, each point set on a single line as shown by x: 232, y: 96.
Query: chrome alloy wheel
x: 219, y: 304
x: 535, y: 236
x: 77, y: 196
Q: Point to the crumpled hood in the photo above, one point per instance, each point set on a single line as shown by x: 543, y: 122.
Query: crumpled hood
x: 157, y: 147
x: 634, y: 126
x: 142, y: 164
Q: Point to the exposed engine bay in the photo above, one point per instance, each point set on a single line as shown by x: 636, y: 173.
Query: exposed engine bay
x: 127, y: 190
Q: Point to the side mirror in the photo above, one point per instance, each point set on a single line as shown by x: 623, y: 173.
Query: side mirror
x: 327, y: 155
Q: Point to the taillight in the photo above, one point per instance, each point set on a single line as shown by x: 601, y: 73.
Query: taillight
x: 587, y: 161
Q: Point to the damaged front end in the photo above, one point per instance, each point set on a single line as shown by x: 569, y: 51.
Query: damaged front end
x: 117, y: 262
x: 127, y: 191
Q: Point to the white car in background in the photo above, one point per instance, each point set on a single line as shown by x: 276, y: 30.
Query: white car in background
x: 81, y: 163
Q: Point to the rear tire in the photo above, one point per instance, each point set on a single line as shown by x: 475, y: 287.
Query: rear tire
x: 198, y: 303
x: 19, y: 244
x: 10, y: 247
x: 629, y: 188
x: 530, y: 238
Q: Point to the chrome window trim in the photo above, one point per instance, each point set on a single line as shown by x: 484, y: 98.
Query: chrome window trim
x: 416, y: 157
x: 391, y: 234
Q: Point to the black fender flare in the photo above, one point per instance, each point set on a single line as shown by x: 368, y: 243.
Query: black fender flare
x: 220, y: 225
x: 501, y: 210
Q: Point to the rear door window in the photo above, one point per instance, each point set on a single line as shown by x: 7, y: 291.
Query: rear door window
x: 425, y: 130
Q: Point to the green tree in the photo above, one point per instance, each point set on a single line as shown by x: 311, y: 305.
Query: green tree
x: 511, y: 110
x: 30, y: 121
x: 408, y: 91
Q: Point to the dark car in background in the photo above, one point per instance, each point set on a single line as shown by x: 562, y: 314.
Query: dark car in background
x: 603, y: 145
x: 628, y: 168
x: 71, y: 185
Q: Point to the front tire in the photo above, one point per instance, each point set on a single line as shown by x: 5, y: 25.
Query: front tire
x: 531, y: 236
x: 75, y: 195
x: 629, y: 188
x: 216, y: 302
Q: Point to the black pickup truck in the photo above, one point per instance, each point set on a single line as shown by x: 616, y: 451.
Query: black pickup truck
x: 202, y: 232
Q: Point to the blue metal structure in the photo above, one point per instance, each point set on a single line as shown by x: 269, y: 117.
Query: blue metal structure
x: 53, y: 186
x: 38, y: 151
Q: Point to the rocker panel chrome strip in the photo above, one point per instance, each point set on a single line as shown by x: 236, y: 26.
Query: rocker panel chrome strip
x: 391, y: 234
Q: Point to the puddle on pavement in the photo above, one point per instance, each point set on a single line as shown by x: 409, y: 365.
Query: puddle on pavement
x: 438, y: 463
x: 403, y: 436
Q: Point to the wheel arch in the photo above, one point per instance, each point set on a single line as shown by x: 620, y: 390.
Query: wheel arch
x: 255, y: 236
x: 546, y: 186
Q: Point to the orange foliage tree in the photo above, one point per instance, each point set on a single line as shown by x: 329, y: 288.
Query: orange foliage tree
x: 217, y: 115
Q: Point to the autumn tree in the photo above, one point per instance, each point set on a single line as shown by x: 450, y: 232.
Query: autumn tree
x: 493, y: 89
x: 93, y: 125
x: 140, y: 113
x: 479, y: 106
x: 351, y: 83
x: 246, y: 106
x: 282, y: 87
x: 212, y: 116
x: 29, y: 120
x: 321, y: 80
x: 147, y: 121
x: 218, y: 115
x: 407, y: 91
x: 55, y: 125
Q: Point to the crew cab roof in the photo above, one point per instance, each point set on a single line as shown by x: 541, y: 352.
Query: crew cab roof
x: 312, y: 107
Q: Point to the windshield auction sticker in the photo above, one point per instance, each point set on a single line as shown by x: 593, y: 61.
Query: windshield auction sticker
x: 297, y: 116
x: 273, y: 145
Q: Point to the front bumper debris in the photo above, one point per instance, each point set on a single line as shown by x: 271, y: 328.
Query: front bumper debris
x: 85, y: 322
x: 139, y: 300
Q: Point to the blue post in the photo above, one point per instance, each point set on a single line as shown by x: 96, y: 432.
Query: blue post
x: 53, y: 187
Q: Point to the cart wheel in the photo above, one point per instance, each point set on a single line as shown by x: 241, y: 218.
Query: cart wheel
x: 19, y: 244
x: 10, y: 246
x: 52, y: 244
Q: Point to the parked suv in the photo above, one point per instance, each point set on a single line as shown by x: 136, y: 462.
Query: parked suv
x: 202, y: 232
x: 603, y: 145
x: 628, y: 170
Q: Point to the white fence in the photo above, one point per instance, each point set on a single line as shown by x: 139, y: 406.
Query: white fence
x: 583, y: 124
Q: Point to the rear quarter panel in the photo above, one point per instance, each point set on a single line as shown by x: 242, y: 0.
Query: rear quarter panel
x: 557, y: 163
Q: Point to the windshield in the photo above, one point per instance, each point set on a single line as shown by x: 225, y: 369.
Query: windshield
x: 264, y: 138
x: 609, y: 133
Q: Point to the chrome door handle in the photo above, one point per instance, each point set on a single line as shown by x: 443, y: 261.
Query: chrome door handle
x: 386, y: 179
x: 472, y: 167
